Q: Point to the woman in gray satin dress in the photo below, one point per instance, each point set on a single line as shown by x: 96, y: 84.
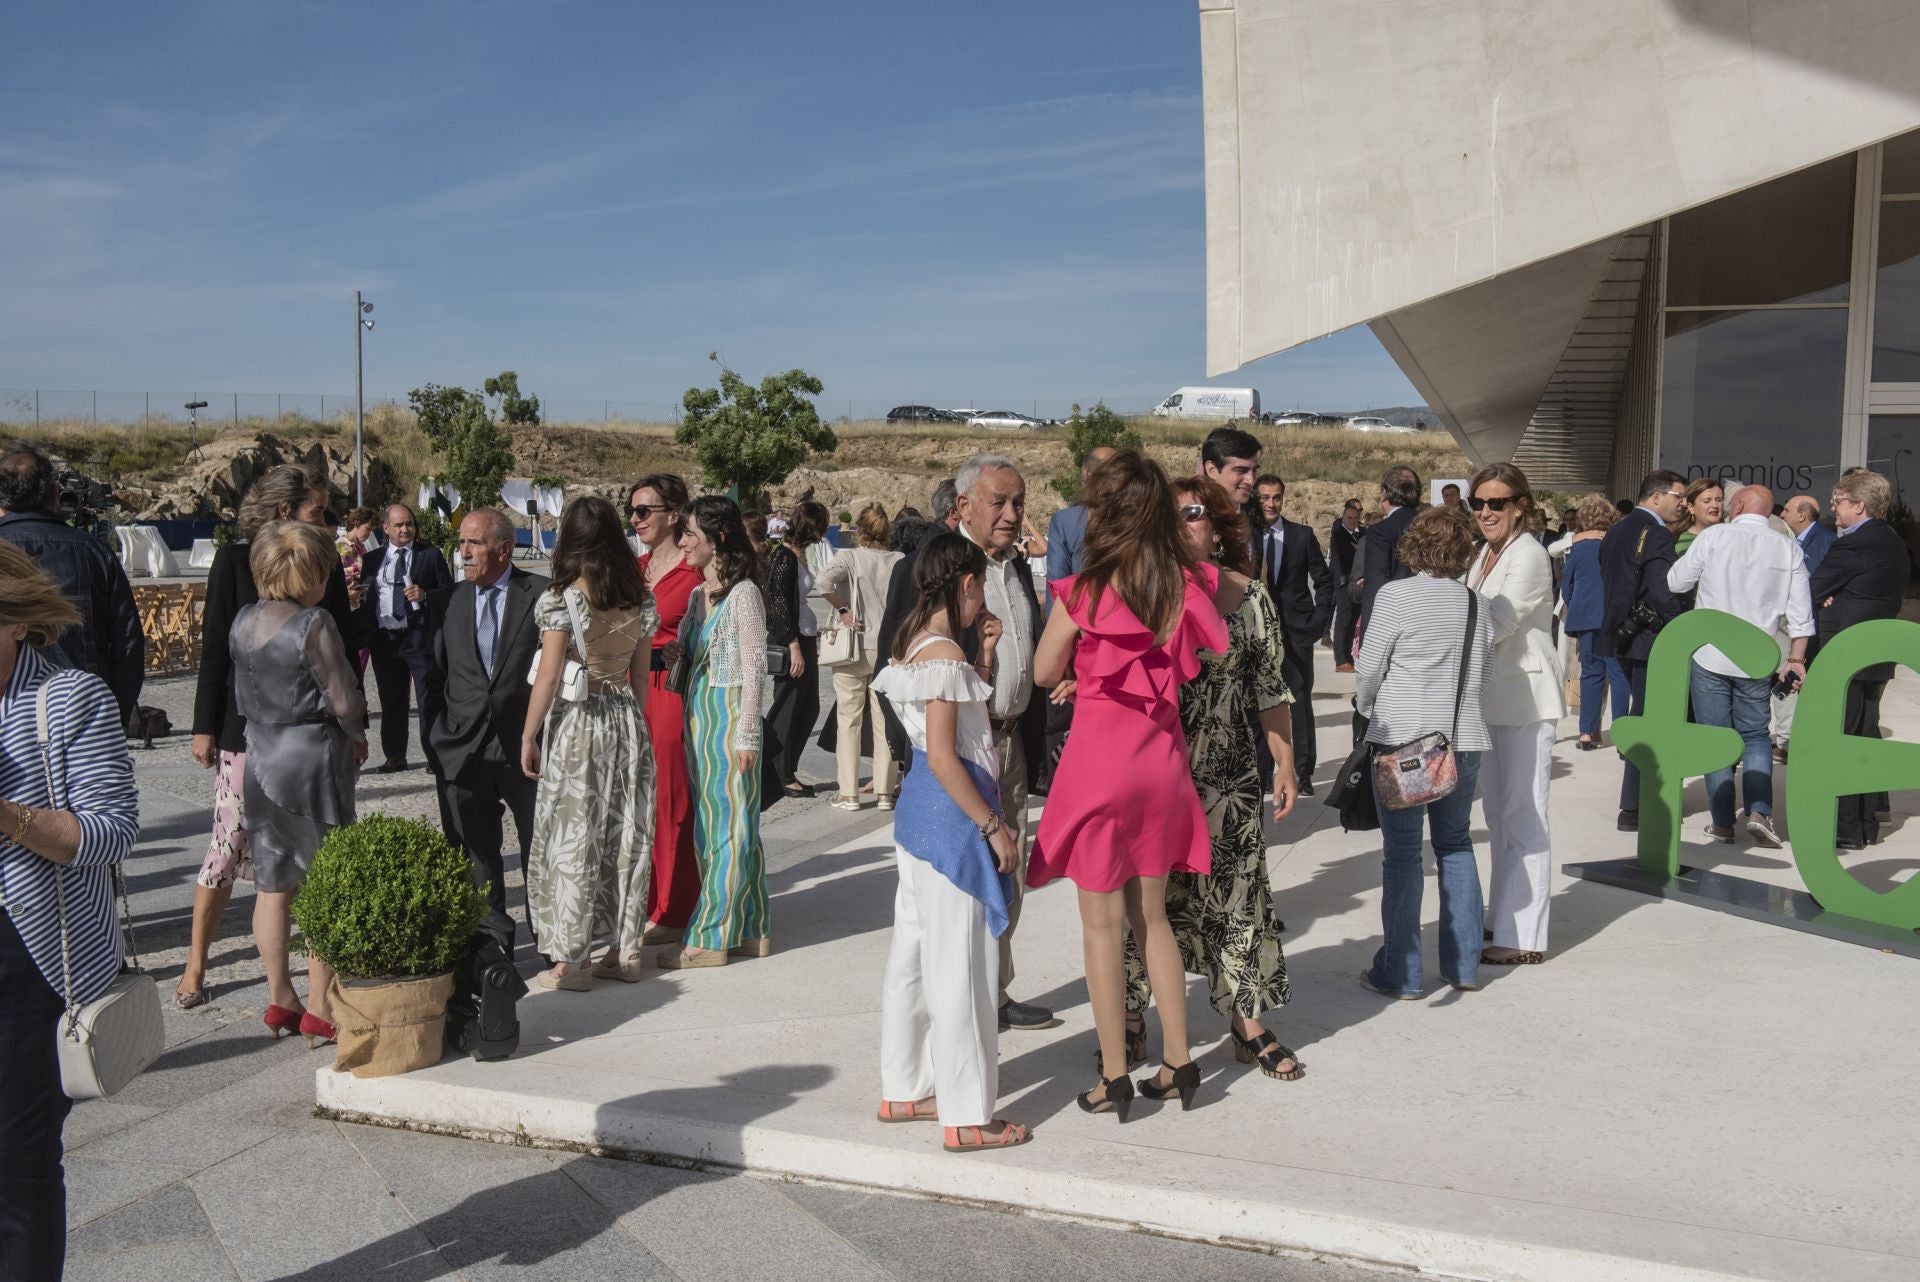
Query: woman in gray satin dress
x: 294, y: 684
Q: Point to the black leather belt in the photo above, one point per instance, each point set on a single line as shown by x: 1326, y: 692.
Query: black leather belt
x: 1004, y: 725
x: 659, y: 663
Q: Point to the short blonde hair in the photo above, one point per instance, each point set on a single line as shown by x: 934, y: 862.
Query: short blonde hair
x: 1869, y: 489
x: 1439, y: 542
x: 31, y: 598
x: 291, y: 559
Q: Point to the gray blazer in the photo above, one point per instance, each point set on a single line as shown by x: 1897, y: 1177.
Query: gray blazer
x: 479, y: 709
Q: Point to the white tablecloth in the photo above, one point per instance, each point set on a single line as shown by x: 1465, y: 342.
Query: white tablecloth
x: 143, y: 551
x: 202, y: 555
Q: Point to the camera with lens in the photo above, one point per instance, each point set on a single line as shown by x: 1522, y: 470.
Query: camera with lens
x: 84, y: 502
x: 1642, y: 618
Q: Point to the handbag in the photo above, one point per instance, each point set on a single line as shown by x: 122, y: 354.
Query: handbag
x: 837, y: 648
x: 573, y: 677
x: 110, y: 1040
x: 680, y: 673
x: 1352, y: 791
x: 1423, y: 770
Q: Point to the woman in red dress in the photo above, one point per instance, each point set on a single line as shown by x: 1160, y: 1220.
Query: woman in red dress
x: 1123, y: 812
x: 653, y: 505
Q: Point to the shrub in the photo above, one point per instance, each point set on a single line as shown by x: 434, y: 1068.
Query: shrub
x: 389, y: 898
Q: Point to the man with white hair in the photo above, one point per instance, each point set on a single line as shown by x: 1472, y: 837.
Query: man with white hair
x: 1746, y: 568
x: 481, y: 652
x: 991, y: 499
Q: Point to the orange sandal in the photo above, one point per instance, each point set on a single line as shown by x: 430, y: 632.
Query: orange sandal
x: 1010, y: 1135
x: 920, y: 1110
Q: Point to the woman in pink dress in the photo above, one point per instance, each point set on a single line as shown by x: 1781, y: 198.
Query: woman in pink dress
x: 1123, y: 812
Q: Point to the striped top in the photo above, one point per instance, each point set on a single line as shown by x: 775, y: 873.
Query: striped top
x: 1409, y: 664
x: 94, y: 773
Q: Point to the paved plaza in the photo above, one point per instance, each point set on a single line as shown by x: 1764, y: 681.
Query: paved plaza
x: 1677, y: 1094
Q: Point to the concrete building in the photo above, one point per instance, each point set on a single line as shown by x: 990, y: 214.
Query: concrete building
x: 1595, y: 235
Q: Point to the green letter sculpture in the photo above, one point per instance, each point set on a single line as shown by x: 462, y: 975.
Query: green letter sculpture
x: 1667, y: 746
x: 1829, y: 764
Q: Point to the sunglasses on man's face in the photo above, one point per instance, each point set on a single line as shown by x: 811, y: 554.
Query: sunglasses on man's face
x: 1494, y: 505
x: 1191, y: 512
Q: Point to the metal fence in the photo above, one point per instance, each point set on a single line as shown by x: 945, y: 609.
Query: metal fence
x: 24, y: 408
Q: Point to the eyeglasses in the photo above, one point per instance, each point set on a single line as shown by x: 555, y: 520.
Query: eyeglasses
x: 641, y: 511
x: 1495, y: 505
x: 1677, y: 494
x: 1191, y: 512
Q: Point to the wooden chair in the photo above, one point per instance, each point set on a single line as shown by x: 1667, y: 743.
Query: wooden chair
x: 171, y: 614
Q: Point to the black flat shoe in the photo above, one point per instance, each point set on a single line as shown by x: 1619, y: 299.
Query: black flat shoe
x: 1023, y: 1015
x: 1304, y: 786
x: 1185, y: 1081
x: 1629, y: 821
x: 392, y: 766
x: 1117, y: 1097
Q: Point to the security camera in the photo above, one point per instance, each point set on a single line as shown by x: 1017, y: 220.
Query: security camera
x: 367, y: 323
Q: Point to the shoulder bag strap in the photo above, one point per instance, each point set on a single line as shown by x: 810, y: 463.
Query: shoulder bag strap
x: 1466, y: 658
x: 573, y: 617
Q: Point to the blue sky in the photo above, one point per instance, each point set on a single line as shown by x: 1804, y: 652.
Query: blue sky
x: 988, y: 202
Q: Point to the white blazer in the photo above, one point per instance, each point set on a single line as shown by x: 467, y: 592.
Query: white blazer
x: 1527, y: 683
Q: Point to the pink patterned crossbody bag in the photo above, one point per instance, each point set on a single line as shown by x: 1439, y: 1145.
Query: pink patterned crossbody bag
x: 1423, y: 770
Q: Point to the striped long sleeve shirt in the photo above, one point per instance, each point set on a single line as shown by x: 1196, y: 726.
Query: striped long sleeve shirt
x: 1408, y: 669
x: 93, y: 776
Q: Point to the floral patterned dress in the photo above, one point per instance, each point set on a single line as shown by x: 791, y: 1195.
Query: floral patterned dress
x: 1225, y: 922
x: 591, y: 863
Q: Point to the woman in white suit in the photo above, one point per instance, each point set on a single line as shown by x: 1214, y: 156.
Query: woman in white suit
x: 1522, y: 701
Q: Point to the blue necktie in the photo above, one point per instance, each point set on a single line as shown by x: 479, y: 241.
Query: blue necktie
x: 489, y: 627
x: 400, y: 585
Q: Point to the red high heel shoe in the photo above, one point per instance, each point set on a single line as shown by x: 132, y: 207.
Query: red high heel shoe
x: 281, y: 1020
x: 317, y: 1031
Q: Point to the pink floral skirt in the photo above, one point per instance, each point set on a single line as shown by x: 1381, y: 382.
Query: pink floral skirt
x: 230, y: 853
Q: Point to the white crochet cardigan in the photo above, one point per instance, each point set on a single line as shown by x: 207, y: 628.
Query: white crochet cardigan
x: 737, y: 659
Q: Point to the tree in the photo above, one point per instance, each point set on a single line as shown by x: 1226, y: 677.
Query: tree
x: 478, y: 450
x: 1087, y: 432
x: 749, y: 437
x: 514, y: 408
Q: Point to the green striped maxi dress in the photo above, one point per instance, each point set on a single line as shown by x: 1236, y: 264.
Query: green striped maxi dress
x: 726, y: 816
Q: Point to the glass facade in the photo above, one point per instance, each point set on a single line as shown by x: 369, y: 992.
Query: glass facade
x: 1758, y: 379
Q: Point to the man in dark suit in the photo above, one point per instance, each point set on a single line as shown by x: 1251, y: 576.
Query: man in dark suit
x: 1802, y: 515
x: 1301, y: 584
x: 1344, y: 543
x: 1634, y: 559
x: 482, y: 648
x: 1380, y: 562
x: 1863, y: 576
x: 992, y: 503
x: 1230, y: 458
x: 391, y: 620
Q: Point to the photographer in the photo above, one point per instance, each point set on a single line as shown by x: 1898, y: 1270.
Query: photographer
x: 109, y: 641
x: 1634, y: 560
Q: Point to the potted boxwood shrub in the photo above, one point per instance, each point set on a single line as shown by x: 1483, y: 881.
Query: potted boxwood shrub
x: 392, y: 907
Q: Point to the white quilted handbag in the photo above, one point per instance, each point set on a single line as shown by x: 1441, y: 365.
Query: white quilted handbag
x: 110, y: 1040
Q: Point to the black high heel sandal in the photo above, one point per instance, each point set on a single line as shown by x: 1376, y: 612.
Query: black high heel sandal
x: 1118, y: 1100
x: 1266, y: 1051
x: 1185, y: 1081
x: 1136, y: 1047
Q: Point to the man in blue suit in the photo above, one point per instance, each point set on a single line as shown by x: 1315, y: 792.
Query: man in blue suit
x: 1634, y: 560
x: 1802, y: 515
x: 1067, y: 531
x: 392, y: 620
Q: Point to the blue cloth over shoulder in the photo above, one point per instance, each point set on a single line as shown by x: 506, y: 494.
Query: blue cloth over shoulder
x: 929, y: 826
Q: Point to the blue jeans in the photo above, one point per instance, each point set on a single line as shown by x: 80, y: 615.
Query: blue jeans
x: 1396, y: 966
x: 1742, y: 703
x: 1599, y: 677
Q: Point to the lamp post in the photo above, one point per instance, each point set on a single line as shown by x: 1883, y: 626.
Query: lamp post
x: 361, y: 323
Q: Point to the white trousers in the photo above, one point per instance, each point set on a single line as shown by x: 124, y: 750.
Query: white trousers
x: 1513, y: 786
x: 939, y: 1029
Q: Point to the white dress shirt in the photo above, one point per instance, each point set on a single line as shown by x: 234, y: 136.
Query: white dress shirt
x: 384, y: 597
x: 1013, y: 656
x: 1744, y: 567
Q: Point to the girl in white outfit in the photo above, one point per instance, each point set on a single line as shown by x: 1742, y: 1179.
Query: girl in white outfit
x: 1523, y: 701
x: 939, y: 1030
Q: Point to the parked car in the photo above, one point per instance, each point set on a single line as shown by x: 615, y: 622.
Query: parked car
x: 1368, y: 424
x: 1216, y: 403
x: 1006, y: 419
x: 922, y: 414
x: 1296, y: 418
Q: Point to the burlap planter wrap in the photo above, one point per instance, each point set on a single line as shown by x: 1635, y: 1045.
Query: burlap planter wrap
x: 390, y: 1028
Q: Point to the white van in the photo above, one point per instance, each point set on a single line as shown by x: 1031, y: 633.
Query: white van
x: 1215, y: 403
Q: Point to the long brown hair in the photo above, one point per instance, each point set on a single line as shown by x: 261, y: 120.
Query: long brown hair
x: 946, y: 558
x: 277, y: 496
x: 1133, y: 544
x: 1229, y: 523
x: 592, y: 550
x: 734, y: 558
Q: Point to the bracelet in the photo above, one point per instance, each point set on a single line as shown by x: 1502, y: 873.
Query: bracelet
x: 991, y: 826
x: 24, y: 815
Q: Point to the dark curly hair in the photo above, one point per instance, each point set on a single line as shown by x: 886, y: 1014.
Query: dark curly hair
x: 947, y: 558
x: 735, y: 562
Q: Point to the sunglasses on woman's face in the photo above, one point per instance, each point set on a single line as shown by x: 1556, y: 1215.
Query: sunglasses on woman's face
x: 1193, y: 512
x: 641, y: 511
x: 1496, y: 505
